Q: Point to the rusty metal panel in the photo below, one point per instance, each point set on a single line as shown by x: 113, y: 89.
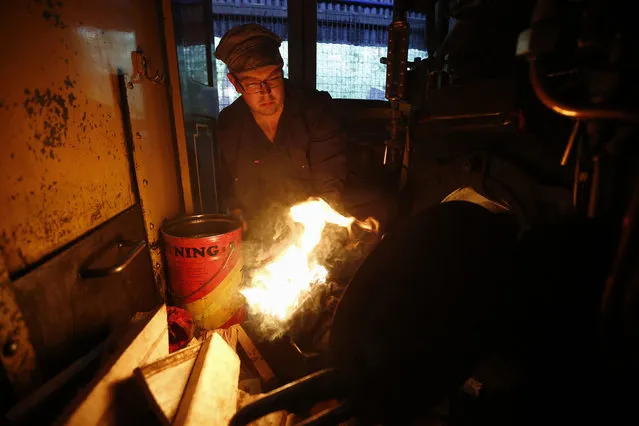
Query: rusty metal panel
x: 67, y: 154
x: 63, y: 163
x: 68, y: 316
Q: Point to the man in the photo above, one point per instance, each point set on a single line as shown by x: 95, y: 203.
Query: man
x: 279, y: 144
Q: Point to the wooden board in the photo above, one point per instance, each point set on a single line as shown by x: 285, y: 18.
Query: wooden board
x: 229, y: 335
x: 164, y: 381
x: 254, y: 356
x: 145, y: 341
x: 210, y: 397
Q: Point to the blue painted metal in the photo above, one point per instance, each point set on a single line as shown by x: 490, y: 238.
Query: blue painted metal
x: 376, y: 3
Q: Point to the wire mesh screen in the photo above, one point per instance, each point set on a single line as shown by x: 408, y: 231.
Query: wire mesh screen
x: 197, y: 98
x: 193, y: 59
x: 352, y: 36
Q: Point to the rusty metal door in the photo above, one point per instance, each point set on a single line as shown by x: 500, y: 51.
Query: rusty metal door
x: 64, y: 163
x: 87, y: 158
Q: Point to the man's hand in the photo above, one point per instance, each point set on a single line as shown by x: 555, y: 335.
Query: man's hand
x: 237, y: 214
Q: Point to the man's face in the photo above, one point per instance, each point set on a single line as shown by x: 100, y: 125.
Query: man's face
x: 262, y: 88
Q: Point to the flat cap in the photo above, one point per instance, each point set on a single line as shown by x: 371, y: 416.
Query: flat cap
x: 249, y: 46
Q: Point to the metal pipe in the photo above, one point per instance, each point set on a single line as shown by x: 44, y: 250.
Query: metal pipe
x: 575, y: 188
x: 461, y: 116
x: 571, y: 143
x: 406, y: 159
x: 399, y: 11
x: 391, y: 144
x: 594, y: 187
x: 571, y: 110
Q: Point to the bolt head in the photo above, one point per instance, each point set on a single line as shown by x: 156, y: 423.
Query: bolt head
x: 10, y: 348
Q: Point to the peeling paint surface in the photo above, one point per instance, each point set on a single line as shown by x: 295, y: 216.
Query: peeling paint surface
x: 64, y: 167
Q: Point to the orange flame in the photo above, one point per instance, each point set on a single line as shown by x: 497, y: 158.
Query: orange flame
x: 278, y: 288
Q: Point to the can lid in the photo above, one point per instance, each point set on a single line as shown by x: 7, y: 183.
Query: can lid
x: 202, y: 225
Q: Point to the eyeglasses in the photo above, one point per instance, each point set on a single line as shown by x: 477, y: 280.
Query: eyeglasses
x: 269, y: 83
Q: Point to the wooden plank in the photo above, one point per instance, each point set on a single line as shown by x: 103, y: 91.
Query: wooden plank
x: 254, y: 356
x: 210, y: 397
x: 164, y: 381
x: 229, y: 335
x: 147, y: 340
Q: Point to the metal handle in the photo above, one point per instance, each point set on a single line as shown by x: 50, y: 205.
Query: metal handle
x: 319, y: 386
x: 136, y: 248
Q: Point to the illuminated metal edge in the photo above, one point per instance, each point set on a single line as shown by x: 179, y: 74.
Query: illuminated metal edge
x: 156, y: 173
x: 176, y: 98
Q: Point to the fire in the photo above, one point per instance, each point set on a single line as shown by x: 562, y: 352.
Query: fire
x: 278, y: 288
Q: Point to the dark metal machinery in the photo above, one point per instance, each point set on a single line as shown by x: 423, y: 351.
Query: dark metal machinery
x: 531, y: 103
x: 561, y: 116
x: 598, y: 52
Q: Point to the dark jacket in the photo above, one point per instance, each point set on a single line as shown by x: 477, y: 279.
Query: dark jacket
x: 307, y: 157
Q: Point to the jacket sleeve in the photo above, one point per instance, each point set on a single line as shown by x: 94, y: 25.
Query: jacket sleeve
x: 327, y: 150
x: 228, y: 199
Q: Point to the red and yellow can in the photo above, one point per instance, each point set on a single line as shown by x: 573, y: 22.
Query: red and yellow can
x: 204, y: 260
